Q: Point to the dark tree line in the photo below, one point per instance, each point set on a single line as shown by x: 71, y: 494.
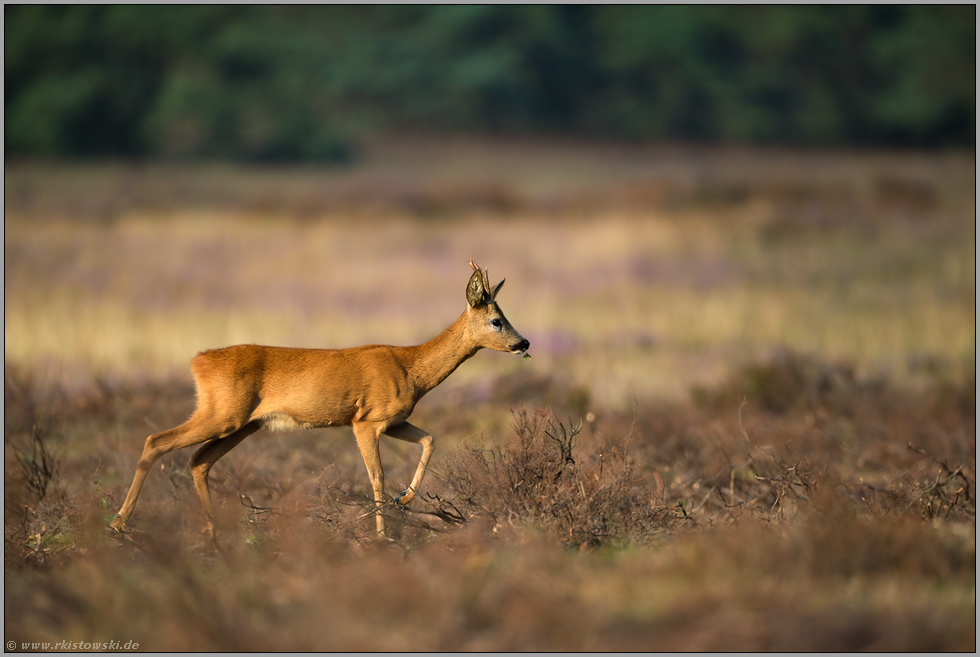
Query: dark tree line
x: 305, y: 82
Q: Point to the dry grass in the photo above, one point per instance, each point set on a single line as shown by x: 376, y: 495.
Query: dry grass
x: 681, y: 528
x: 123, y: 271
x: 771, y: 355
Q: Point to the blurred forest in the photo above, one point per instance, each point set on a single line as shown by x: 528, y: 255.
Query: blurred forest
x: 306, y: 83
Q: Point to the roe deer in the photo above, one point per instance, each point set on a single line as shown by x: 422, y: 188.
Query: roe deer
x: 373, y: 389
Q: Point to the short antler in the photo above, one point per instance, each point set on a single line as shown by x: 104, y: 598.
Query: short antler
x: 484, y: 272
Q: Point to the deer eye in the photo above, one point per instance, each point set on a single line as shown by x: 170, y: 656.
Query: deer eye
x: 495, y: 323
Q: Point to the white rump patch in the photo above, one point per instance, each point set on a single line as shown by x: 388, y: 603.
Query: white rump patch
x: 277, y: 421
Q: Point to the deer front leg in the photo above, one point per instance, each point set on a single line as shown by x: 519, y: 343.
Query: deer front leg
x: 368, y: 440
x: 412, y: 434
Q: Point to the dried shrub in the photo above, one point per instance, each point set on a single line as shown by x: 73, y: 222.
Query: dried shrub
x: 951, y: 495
x: 38, y: 468
x: 540, y: 479
x: 720, y: 471
x: 783, y: 429
x: 38, y: 515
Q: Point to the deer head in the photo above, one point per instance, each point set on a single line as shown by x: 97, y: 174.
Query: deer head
x: 486, y: 323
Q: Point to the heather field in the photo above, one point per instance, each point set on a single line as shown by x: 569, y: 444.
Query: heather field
x: 748, y: 421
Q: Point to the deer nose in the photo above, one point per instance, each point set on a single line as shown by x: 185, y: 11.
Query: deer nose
x: 523, y: 345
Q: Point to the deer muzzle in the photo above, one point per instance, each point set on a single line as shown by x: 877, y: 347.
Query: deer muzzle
x: 520, y: 347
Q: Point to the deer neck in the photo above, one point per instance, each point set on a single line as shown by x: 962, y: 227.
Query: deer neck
x: 440, y: 356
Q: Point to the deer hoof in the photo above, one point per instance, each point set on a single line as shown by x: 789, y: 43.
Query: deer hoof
x: 404, y: 497
x: 117, y: 532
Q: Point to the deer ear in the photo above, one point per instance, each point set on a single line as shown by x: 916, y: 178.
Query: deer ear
x: 475, y: 292
x: 493, y: 295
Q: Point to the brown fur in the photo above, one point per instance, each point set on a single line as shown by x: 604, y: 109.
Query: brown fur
x: 373, y: 389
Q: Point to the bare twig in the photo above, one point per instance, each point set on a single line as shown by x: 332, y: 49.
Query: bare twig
x: 256, y: 512
x: 40, y: 467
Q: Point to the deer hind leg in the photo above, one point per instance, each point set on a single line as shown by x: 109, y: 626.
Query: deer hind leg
x: 192, y: 432
x: 205, y: 458
x: 368, y: 440
x: 412, y: 434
